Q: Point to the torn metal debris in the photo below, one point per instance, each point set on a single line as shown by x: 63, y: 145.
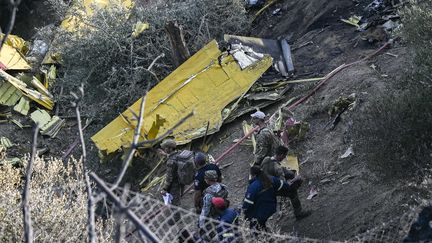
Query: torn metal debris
x: 206, y: 83
x: 9, y: 95
x: 49, y: 126
x: 43, y: 99
x: 23, y: 106
x: 278, y: 50
x: 11, y: 59
x: 353, y: 20
x: 5, y: 142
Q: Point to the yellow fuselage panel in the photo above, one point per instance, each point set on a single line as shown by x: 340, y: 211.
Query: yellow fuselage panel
x: 201, y: 84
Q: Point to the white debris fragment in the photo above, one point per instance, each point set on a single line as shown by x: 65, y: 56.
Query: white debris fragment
x: 347, y: 153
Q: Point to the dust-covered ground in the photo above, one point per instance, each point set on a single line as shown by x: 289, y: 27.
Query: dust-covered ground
x: 352, y: 196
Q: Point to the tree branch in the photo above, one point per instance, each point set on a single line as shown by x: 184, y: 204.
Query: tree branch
x: 90, y: 200
x: 133, y: 147
x: 28, y: 230
x: 167, y: 133
x: 131, y: 215
x: 11, y: 21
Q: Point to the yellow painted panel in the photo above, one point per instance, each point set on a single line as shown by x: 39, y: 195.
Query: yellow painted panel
x: 201, y: 84
x: 291, y: 162
x: 11, y: 59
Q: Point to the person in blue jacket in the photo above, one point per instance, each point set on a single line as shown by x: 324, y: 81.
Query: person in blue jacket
x: 199, y: 182
x: 421, y: 229
x: 260, y: 200
x: 226, y: 217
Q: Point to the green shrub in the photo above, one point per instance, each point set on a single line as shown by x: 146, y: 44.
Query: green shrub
x: 395, y: 133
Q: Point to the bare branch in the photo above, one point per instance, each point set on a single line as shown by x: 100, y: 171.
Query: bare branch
x: 11, y: 21
x: 75, y: 143
x: 120, y: 227
x: 90, y: 205
x: 154, y: 61
x: 28, y: 230
x: 131, y: 215
x: 167, y: 133
x: 133, y: 147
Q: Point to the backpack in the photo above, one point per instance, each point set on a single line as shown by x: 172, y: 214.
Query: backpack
x: 223, y: 192
x: 185, y: 167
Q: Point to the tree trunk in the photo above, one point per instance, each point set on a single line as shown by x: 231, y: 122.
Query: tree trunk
x: 179, y: 50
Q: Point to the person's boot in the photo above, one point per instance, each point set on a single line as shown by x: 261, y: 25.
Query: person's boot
x: 302, y: 214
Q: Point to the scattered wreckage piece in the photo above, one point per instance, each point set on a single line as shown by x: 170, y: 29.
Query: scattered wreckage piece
x: 353, y: 20
x: 23, y: 106
x: 206, y: 83
x: 264, y: 8
x: 17, y: 42
x: 9, y: 95
x: 279, y: 50
x: 11, y: 59
x: 49, y: 126
x: 5, y: 142
x: 44, y: 99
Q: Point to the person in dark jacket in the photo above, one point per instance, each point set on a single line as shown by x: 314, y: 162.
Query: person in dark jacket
x: 226, y: 217
x: 260, y: 200
x: 199, y: 182
x: 421, y: 229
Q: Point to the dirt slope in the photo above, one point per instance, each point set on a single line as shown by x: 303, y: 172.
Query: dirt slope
x: 352, y: 197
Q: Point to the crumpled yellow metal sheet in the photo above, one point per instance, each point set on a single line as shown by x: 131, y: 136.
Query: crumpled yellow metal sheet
x: 201, y: 84
x: 16, y: 42
x: 291, y: 162
x: 11, y: 59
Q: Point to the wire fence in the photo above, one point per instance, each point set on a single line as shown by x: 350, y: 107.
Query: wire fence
x: 60, y: 214
x: 167, y: 223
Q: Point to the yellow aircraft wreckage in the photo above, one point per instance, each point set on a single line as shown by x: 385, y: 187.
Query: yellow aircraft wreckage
x: 205, y: 84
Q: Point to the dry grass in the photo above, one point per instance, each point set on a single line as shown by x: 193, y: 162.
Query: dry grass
x: 58, y: 203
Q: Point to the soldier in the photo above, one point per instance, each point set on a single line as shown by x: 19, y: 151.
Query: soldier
x: 272, y: 167
x: 199, y: 183
x: 172, y: 184
x: 266, y: 141
x: 215, y: 189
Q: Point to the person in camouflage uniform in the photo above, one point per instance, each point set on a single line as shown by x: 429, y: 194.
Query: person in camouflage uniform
x: 215, y: 189
x: 171, y: 184
x: 266, y: 141
x: 271, y: 166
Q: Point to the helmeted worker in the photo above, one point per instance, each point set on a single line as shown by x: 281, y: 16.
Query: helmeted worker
x: 199, y: 183
x: 266, y: 141
x: 260, y: 201
x: 226, y: 216
x: 215, y: 189
x: 272, y: 167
